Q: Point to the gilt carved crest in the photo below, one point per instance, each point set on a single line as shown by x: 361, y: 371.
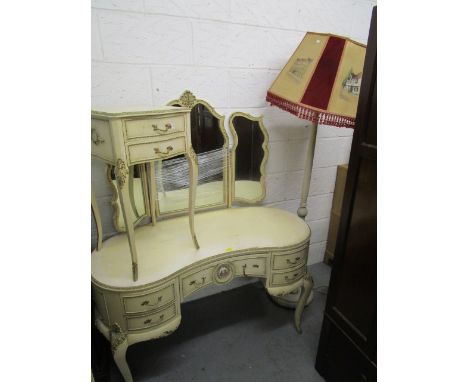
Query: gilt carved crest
x: 187, y: 99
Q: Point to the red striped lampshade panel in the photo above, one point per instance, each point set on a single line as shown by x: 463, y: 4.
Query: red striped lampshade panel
x: 322, y: 80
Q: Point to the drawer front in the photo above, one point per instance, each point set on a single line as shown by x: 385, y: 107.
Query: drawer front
x: 140, y: 128
x: 150, y: 320
x: 149, y: 301
x: 101, y: 141
x: 288, y: 277
x: 196, y: 281
x: 158, y: 150
x: 290, y: 260
x: 251, y: 267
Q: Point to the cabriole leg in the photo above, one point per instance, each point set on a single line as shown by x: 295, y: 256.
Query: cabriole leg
x: 119, y: 347
x: 193, y: 173
x: 306, y: 289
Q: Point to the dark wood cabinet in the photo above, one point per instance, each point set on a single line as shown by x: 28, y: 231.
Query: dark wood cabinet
x: 348, y: 341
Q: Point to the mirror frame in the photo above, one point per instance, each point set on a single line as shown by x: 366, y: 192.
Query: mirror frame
x: 115, y: 197
x: 187, y: 99
x: 258, y: 119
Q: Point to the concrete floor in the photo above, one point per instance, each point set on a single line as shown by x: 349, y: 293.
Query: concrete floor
x: 237, y: 335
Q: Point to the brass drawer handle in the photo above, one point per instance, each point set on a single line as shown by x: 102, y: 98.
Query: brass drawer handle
x: 149, y: 320
x: 168, y: 150
x: 194, y: 282
x: 293, y: 277
x: 167, y: 126
x: 293, y: 262
x: 146, y: 302
x: 245, y: 266
x: 96, y: 138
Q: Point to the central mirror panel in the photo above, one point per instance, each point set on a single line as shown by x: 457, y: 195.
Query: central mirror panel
x: 249, y: 153
x: 209, y: 141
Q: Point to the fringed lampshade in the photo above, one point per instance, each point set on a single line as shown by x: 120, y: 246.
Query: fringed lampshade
x: 321, y: 81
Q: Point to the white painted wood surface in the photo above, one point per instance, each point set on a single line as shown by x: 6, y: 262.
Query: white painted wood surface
x: 167, y: 247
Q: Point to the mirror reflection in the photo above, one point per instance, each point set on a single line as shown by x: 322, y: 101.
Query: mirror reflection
x: 138, y: 195
x: 249, y: 157
x: 172, y: 182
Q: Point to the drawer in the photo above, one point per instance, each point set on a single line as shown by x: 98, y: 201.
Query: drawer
x: 251, y: 267
x: 101, y: 141
x: 195, y: 281
x: 149, y: 301
x: 288, y: 277
x: 140, y: 128
x: 158, y: 150
x: 150, y: 320
x: 290, y: 260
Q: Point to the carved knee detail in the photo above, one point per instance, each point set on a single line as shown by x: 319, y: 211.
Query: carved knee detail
x: 306, y: 289
x: 117, y: 337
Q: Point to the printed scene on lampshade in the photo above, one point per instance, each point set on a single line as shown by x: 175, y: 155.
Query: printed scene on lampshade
x: 322, y: 80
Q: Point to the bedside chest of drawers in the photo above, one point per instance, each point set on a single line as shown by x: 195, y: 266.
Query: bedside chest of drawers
x: 127, y: 138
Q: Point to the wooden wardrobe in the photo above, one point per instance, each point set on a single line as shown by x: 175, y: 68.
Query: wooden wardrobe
x: 348, y: 341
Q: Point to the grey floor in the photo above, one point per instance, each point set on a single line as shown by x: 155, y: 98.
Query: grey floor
x: 237, y: 335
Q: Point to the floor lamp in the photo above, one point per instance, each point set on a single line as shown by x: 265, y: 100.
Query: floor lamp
x: 320, y: 83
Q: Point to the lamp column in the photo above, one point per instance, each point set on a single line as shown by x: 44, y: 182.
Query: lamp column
x: 302, y: 210
x: 302, y: 296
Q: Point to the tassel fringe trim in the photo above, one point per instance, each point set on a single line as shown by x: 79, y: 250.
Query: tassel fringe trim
x: 312, y: 115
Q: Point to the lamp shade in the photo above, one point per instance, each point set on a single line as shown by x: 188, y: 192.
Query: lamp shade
x: 321, y: 81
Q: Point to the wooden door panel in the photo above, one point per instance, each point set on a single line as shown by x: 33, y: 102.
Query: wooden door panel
x: 348, y: 341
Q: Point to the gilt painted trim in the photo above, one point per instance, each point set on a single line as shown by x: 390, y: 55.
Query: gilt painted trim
x: 117, y: 336
x: 121, y: 173
x: 187, y: 99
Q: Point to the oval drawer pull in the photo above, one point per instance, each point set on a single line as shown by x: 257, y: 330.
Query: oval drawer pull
x: 168, y: 150
x: 146, y: 302
x: 96, y: 138
x: 167, y: 126
x: 149, y: 320
x: 195, y: 282
x: 293, y: 262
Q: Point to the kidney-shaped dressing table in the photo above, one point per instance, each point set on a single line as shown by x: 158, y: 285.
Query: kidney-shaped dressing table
x: 151, y: 180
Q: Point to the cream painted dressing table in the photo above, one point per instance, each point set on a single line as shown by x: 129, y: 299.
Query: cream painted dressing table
x: 266, y: 243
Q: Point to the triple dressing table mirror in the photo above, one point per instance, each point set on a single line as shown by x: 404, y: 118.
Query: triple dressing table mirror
x: 154, y: 169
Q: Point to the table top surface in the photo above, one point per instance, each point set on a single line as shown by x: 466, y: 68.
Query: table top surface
x: 116, y: 111
x: 167, y: 247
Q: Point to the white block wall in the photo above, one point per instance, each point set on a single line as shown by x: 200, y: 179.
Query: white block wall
x: 228, y: 52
